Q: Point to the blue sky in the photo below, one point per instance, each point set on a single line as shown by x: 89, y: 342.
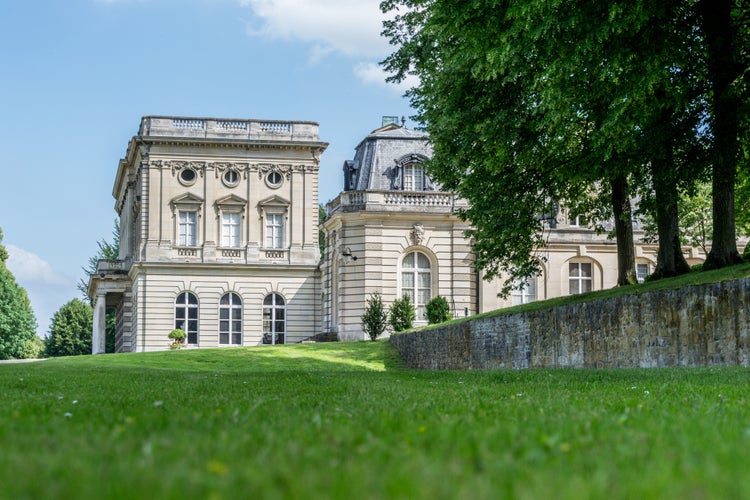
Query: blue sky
x: 77, y: 75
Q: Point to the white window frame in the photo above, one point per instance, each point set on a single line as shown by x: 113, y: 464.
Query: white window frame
x: 640, y: 273
x: 274, y: 230
x: 271, y: 315
x: 231, y: 229
x: 187, y: 230
x: 525, y: 294
x: 182, y: 302
x: 415, y: 271
x: 583, y: 284
x: 230, y: 326
x: 414, y: 177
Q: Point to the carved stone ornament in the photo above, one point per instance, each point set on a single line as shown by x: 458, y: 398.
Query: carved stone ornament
x: 267, y: 168
x: 176, y: 166
x: 222, y: 166
x: 417, y: 234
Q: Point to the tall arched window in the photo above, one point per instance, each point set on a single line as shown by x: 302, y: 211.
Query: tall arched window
x: 580, y: 277
x: 416, y: 281
x: 274, y: 319
x: 186, y: 315
x: 230, y: 319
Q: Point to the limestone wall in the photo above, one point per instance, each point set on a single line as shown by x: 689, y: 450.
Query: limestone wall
x: 693, y: 326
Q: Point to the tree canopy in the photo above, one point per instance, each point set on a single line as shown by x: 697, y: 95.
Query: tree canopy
x: 534, y: 103
x: 70, y: 332
x: 17, y: 321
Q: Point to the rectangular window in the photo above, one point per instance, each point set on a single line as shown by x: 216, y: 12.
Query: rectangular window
x: 641, y: 271
x: 186, y: 232
x: 526, y: 294
x: 580, y: 277
x: 274, y: 230
x: 230, y: 230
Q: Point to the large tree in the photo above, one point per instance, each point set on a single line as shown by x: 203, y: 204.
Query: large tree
x: 70, y: 331
x: 17, y: 321
x: 534, y: 102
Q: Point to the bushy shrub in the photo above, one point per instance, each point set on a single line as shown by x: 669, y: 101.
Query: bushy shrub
x: 746, y: 253
x: 374, y: 319
x: 402, y: 314
x: 438, y: 310
x: 177, y: 337
x: 70, y: 331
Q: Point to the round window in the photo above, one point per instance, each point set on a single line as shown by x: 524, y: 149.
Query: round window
x: 274, y: 179
x: 231, y: 178
x: 187, y: 176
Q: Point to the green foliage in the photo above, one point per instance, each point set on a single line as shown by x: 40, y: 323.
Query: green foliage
x: 416, y: 434
x: 177, y: 337
x: 33, y: 348
x: 70, y: 333
x: 322, y: 214
x: 375, y: 318
x: 108, y: 250
x: 401, y: 314
x: 438, y: 310
x: 17, y: 321
x: 527, y: 105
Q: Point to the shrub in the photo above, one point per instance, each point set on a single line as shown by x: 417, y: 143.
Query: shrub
x: 70, y: 331
x: 375, y: 319
x: 402, y: 314
x: 178, y: 339
x: 438, y: 310
x: 746, y: 253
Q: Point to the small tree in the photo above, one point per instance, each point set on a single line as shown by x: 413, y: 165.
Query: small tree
x: 375, y: 319
x: 402, y: 314
x: 177, y: 337
x: 70, y: 331
x: 438, y: 310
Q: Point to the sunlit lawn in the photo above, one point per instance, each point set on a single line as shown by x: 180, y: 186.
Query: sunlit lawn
x: 346, y: 420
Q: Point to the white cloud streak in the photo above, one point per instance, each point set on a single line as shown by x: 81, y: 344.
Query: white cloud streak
x: 351, y: 28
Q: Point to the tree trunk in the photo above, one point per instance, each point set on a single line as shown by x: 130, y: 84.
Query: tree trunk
x: 669, y: 259
x: 623, y: 231
x: 723, y: 69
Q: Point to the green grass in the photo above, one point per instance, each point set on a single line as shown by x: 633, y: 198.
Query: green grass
x: 347, y: 420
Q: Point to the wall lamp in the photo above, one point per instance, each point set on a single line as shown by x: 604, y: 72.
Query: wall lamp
x: 347, y: 255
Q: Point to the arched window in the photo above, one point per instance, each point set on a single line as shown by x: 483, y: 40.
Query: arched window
x: 416, y: 281
x: 524, y: 291
x: 186, y: 315
x: 274, y: 319
x: 580, y: 277
x: 414, y: 178
x: 230, y: 319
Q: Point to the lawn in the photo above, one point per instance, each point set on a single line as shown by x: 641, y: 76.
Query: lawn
x: 346, y: 420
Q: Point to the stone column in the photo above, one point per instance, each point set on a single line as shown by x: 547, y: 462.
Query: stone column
x: 100, y: 323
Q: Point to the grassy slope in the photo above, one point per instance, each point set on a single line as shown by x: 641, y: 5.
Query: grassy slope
x: 348, y: 421
x: 691, y: 279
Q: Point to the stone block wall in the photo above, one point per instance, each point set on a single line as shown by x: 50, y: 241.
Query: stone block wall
x: 693, y: 326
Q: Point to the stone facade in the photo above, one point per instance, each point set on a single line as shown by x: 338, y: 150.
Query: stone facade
x: 693, y: 326
x: 389, y: 210
x: 218, y: 235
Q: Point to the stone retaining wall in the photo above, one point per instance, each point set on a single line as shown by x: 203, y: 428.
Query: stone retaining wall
x: 693, y: 326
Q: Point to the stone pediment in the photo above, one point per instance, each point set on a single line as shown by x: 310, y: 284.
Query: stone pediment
x: 231, y: 201
x: 274, y: 201
x: 187, y: 200
x: 410, y: 158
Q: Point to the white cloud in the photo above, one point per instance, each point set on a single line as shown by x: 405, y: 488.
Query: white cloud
x: 350, y: 27
x: 47, y: 289
x: 372, y: 73
x: 28, y: 267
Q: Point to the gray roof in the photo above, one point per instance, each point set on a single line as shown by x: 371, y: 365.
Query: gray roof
x: 376, y: 157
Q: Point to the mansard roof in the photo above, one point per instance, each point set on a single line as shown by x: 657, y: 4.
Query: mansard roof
x: 379, y: 154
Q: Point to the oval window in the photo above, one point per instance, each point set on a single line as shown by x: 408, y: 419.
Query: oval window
x: 231, y: 178
x: 187, y: 176
x: 274, y: 179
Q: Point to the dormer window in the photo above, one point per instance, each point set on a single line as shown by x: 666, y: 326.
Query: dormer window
x: 414, y: 178
x: 409, y: 174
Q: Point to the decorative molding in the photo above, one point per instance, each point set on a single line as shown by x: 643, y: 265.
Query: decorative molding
x: 221, y: 166
x: 267, y: 168
x: 177, y: 165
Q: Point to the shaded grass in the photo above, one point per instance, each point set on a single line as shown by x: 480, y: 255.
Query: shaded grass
x: 348, y: 421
